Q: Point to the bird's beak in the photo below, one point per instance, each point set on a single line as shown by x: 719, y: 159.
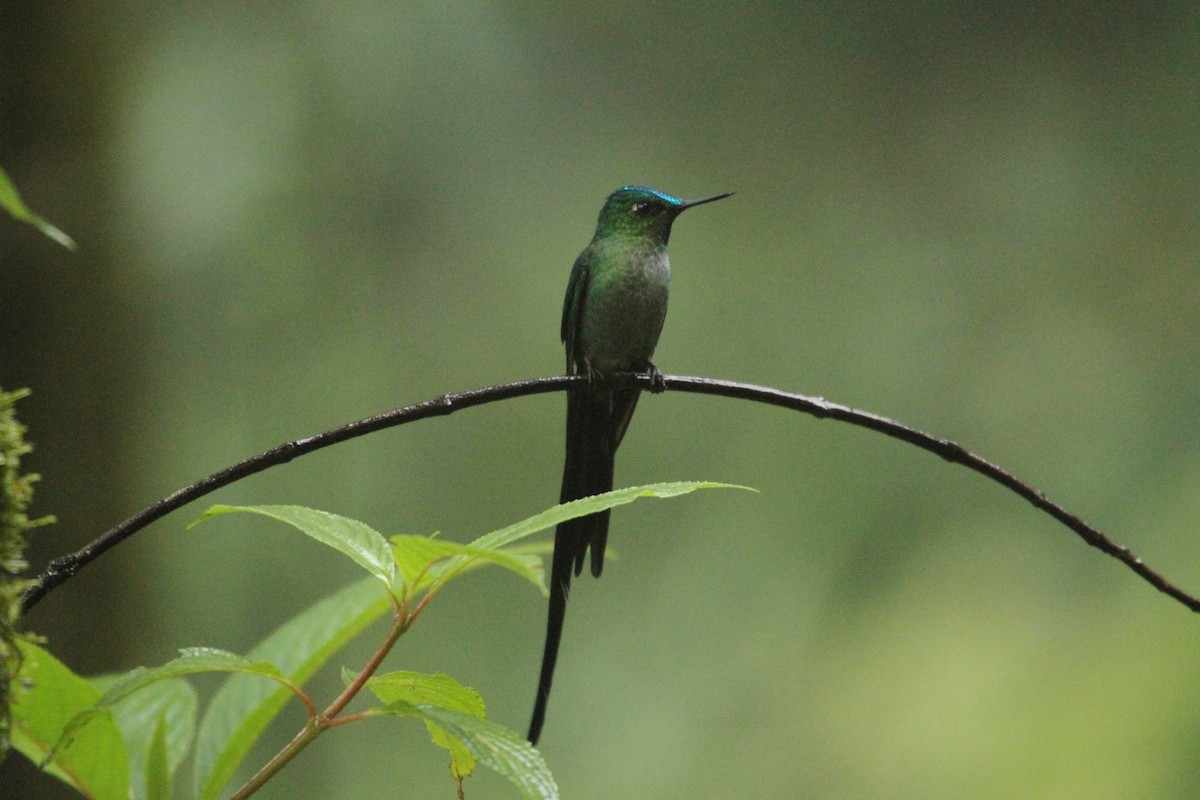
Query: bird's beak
x: 692, y: 203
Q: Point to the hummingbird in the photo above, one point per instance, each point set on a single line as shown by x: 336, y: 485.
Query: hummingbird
x: 612, y: 316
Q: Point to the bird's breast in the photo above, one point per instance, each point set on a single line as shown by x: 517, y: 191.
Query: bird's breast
x: 624, y: 310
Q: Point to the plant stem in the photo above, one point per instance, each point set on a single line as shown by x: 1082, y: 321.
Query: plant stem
x: 318, y: 723
x: 399, y: 626
x: 300, y: 741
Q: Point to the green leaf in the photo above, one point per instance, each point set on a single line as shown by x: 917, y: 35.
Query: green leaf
x: 244, y: 706
x: 363, y: 544
x: 414, y: 555
x: 496, y: 747
x: 164, y: 710
x: 193, y: 660
x: 435, y: 561
x: 590, y: 505
x: 47, y: 696
x: 419, y: 687
x: 413, y: 689
x: 190, y: 661
x: 10, y: 199
x: 158, y: 769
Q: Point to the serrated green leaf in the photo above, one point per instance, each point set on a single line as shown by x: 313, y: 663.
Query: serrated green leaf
x: 10, y: 200
x: 462, y: 758
x: 415, y: 554
x: 361, y: 543
x: 437, y: 689
x: 243, y: 707
x: 435, y: 561
x: 589, y: 505
x: 47, y: 696
x: 504, y: 751
x: 411, y: 689
x: 191, y: 660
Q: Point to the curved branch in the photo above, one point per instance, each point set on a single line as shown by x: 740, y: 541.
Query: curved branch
x: 951, y: 451
x: 62, y: 569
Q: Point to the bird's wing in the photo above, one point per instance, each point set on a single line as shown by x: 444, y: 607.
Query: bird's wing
x: 573, y: 306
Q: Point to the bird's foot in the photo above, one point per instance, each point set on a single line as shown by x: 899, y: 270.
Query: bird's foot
x: 590, y: 373
x: 657, y: 384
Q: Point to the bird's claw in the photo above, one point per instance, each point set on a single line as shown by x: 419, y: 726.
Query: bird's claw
x: 658, y: 384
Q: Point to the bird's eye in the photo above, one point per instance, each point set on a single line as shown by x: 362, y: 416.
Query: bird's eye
x: 640, y: 208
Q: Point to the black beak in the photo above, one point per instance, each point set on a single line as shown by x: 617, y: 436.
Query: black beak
x: 693, y: 203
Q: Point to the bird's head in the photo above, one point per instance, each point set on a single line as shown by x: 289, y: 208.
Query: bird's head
x: 642, y: 211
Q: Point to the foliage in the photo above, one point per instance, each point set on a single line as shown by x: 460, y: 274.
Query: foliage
x: 16, y: 493
x: 124, y: 736
x: 10, y: 200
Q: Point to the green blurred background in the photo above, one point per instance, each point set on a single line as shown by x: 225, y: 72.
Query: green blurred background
x: 982, y: 222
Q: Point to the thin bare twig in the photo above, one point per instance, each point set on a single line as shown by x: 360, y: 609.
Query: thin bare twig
x: 62, y: 569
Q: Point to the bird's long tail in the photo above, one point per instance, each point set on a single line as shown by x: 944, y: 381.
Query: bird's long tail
x: 596, y: 422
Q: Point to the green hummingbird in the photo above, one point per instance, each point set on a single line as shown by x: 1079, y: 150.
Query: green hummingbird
x: 612, y: 316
